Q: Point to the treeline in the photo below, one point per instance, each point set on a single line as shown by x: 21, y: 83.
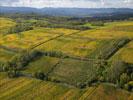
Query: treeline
x: 18, y: 62
x: 68, y: 25
x: 78, y: 27
x: 27, y: 16
x: 57, y: 54
x: 21, y: 27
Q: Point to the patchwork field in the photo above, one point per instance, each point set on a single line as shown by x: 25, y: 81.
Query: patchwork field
x: 66, y: 64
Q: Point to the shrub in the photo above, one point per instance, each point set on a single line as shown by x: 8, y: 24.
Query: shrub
x: 81, y: 85
x: 13, y: 74
x: 53, y: 79
x: 124, y: 78
x: 40, y: 75
x: 129, y: 86
x: 4, y: 66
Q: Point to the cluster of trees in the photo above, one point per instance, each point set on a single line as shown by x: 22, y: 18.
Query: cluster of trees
x: 76, y: 27
x: 43, y: 76
x: 4, y: 66
x: 19, y: 28
x: 13, y: 73
x: 57, y: 54
x: 19, y: 61
x: 119, y: 73
x: 97, y: 23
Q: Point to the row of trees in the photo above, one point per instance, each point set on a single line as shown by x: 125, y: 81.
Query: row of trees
x: 19, y: 28
x: 61, y: 25
x: 57, y: 54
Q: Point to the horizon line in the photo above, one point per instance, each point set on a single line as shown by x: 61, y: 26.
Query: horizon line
x: 71, y: 7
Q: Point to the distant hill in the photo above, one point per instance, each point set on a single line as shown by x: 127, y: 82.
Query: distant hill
x: 80, y: 12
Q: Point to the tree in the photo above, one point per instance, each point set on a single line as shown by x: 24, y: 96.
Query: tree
x: 129, y: 86
x: 40, y: 75
x: 124, y: 78
x: 81, y: 85
x: 13, y: 73
x: 113, y: 73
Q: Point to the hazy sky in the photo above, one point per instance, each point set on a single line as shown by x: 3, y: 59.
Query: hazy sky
x: 69, y: 3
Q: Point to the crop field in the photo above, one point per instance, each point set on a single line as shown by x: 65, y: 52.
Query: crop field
x: 27, y: 39
x: 5, y: 23
x: 24, y: 88
x: 110, y: 30
x: 75, y: 47
x: 74, y: 71
x: 5, y: 55
x: 125, y: 53
x: 44, y: 64
x: 63, y: 63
